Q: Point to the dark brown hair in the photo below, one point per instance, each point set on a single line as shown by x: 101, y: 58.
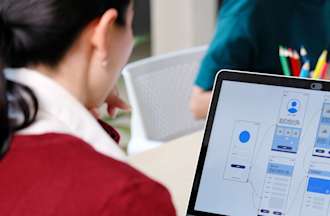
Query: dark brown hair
x: 39, y: 32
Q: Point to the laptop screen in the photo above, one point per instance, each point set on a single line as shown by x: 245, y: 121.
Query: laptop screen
x: 268, y: 152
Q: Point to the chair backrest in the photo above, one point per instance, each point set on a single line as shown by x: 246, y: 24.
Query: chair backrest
x: 159, y: 90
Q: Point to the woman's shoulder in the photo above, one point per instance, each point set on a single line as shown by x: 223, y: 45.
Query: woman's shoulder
x: 69, y: 151
x: 85, y: 176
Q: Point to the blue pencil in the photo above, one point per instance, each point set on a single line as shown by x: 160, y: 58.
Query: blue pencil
x: 305, y: 70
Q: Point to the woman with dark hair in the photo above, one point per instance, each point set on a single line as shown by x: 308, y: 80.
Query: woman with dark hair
x: 59, y: 60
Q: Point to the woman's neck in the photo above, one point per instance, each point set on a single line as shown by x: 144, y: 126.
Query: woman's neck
x: 68, y: 76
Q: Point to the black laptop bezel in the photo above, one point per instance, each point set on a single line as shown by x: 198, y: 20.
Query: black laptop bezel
x: 245, y: 77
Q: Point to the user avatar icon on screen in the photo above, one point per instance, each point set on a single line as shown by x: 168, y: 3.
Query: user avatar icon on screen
x: 293, y: 106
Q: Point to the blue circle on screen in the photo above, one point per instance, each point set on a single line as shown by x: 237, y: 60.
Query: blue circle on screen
x: 244, y: 137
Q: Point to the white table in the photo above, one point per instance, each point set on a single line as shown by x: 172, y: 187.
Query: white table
x: 173, y: 164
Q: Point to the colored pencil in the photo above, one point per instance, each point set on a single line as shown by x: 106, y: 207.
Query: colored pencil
x: 295, y: 63
x: 324, y: 71
x: 305, y: 70
x: 320, y: 64
x: 283, y: 53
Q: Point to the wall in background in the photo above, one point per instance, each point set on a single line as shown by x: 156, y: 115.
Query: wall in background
x: 181, y: 24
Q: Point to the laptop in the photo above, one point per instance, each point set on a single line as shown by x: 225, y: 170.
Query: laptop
x: 266, y: 148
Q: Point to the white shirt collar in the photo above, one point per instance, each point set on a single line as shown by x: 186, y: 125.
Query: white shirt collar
x: 60, y: 112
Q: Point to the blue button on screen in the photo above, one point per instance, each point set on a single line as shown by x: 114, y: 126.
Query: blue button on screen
x: 317, y: 185
x: 244, y: 137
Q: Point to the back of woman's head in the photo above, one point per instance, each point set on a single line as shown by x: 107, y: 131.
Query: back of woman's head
x: 39, y: 32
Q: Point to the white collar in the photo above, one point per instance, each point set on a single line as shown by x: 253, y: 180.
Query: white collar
x: 60, y: 112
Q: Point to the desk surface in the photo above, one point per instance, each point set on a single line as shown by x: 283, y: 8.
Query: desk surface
x: 173, y: 164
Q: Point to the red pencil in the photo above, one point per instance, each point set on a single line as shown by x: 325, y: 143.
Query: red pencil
x: 324, y: 71
x: 295, y: 63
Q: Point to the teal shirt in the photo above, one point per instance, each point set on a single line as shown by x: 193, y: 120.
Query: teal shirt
x: 249, y: 33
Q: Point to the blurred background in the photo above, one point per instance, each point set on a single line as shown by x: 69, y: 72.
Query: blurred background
x: 163, y: 26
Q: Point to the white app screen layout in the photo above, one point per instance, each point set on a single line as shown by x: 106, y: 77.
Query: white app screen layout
x: 264, y: 153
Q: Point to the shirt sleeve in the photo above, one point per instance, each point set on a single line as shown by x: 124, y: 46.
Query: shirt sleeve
x: 231, y: 48
x: 145, y: 198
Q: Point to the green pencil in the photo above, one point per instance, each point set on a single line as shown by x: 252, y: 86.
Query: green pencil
x: 284, y: 61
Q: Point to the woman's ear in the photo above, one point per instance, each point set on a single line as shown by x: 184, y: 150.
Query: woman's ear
x: 102, y: 32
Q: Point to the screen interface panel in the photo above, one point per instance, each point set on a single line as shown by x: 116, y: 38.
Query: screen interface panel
x: 268, y: 153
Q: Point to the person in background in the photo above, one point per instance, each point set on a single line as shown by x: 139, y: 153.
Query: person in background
x: 60, y: 59
x: 248, y: 36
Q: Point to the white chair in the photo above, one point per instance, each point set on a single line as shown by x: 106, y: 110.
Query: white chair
x: 159, y: 90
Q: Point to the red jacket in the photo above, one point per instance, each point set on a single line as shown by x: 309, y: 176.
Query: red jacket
x: 56, y: 174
